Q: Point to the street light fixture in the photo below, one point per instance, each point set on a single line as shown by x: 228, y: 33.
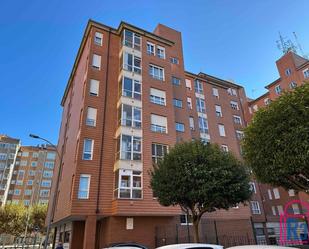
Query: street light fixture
x: 51, y: 216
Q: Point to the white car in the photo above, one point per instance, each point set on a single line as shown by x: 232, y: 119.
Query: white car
x: 261, y: 247
x: 191, y: 246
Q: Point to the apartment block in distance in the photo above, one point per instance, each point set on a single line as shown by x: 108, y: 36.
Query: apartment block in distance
x: 128, y: 100
x: 268, y: 201
x: 8, y: 154
x: 32, y: 175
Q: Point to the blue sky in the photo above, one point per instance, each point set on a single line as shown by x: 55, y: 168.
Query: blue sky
x: 231, y: 39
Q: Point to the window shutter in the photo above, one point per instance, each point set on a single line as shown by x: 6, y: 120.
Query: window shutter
x: 158, y: 120
x: 94, y: 87
x: 158, y: 93
x: 188, y: 84
x: 96, y: 61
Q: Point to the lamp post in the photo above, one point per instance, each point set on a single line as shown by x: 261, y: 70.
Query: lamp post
x: 54, y: 195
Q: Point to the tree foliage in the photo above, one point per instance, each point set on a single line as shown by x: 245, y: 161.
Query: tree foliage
x: 37, y: 217
x: 200, y: 178
x: 276, y: 143
x: 12, y: 219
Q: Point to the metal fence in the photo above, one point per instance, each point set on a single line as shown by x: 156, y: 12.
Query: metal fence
x: 223, y: 232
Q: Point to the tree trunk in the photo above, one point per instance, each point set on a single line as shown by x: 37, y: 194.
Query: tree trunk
x: 196, y: 234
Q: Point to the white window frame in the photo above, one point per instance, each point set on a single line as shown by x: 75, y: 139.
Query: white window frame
x: 291, y: 192
x: 176, y: 81
x: 178, y: 125
x: 188, y: 84
x: 177, y: 103
x: 174, y: 60
x: 274, y: 211
x: 278, y: 89
x: 191, y: 122
x: 125, y: 121
x: 215, y: 92
x: 198, y: 86
x: 288, y: 71
x: 237, y: 119
x: 134, y: 67
x: 189, y: 103
x: 306, y: 73
x: 280, y: 209
x: 83, y: 194
x: 255, y: 207
x: 234, y: 105
x: 94, y: 87
x: 88, y: 152
x: 98, y: 38
x: 161, y: 52
x: 134, y: 94
x: 276, y: 193
x: 151, y: 49
x: 96, y: 58
x: 135, y: 38
x: 121, y: 186
x: 224, y: 148
x: 200, y: 105
x: 160, y: 70
x: 218, y: 111
x: 203, y: 125
x: 187, y: 220
x: 270, y: 197
x: 295, y: 208
x: 91, y: 116
x: 221, y: 129
x: 159, y: 100
x: 293, y: 85
x: 252, y: 187
x: 134, y: 140
x: 239, y: 134
x: 156, y: 127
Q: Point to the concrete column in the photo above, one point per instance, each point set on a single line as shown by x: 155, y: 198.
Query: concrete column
x: 90, y: 232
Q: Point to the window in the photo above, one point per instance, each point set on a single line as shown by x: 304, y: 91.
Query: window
x: 306, y: 73
x: 237, y: 119
x: 175, y: 81
x: 267, y: 101
x: 218, y: 111
x: 3, y: 156
x: 269, y: 194
x: 161, y: 52
x: 131, y: 88
x: 84, y: 185
x: 232, y: 91
x: 291, y: 192
x: 200, y: 105
x: 17, y: 192
x: 46, y: 183
x: 96, y: 61
x: 180, y: 127
x: 25, y: 154
x: 43, y: 202
x: 295, y: 208
x: 98, y: 38
x: 51, y: 156
x: 278, y: 89
x: 129, y: 184
x: 215, y: 92
x: 280, y: 209
x: 203, y: 125
x: 157, y: 96
x: 44, y: 193
x: 224, y: 148
x: 150, y: 48
x: 130, y: 116
x: 130, y: 147
x: 276, y: 193
x: 49, y: 165
x: 221, y: 130
x: 174, y: 60
x: 234, y: 105
x: 34, y: 164
x: 31, y: 173
x: 191, y: 122
x: 47, y: 173
x: 158, y: 123
x: 158, y: 151
x: 185, y: 220
x: 28, y: 192
x: 94, y: 87
x: 255, y: 207
x: 131, y: 39
x: 273, y: 209
x: 19, y: 183
x: 188, y: 84
x: 288, y: 71
x: 156, y: 72
x: 30, y: 182
x: 35, y: 155
x: 239, y: 135
x: 292, y: 85
x: 132, y: 63
x: 252, y: 187
x: 189, y: 103
x: 91, y: 116
x: 177, y: 103
x: 88, y: 149
x: 198, y: 86
x: 26, y: 202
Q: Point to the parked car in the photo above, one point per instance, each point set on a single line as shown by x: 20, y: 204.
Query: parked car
x: 191, y: 246
x: 126, y: 245
x: 262, y: 247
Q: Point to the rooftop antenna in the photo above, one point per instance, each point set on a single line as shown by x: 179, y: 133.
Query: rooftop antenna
x: 299, y: 46
x: 285, y: 45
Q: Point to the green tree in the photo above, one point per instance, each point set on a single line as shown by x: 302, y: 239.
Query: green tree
x: 12, y: 219
x: 199, y: 178
x: 37, y: 217
x: 276, y: 143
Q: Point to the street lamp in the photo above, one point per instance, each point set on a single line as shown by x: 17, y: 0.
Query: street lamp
x: 51, y: 216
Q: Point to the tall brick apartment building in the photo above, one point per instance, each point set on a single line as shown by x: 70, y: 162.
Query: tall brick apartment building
x: 32, y: 175
x: 269, y: 201
x: 8, y: 153
x: 129, y: 99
